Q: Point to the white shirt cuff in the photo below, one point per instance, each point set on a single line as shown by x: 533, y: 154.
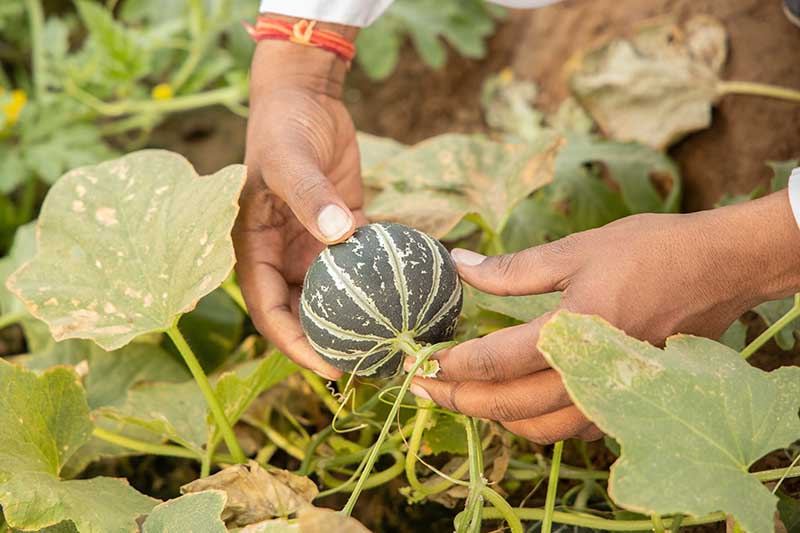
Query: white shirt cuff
x: 794, y: 194
x: 350, y: 12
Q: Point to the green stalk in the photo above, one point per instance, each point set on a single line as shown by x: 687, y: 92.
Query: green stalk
x: 552, y: 486
x: 373, y: 481
x: 758, y: 89
x: 36, y: 18
x: 208, y: 392
x: 777, y: 473
x: 532, y: 471
x: 421, y: 356
x: 504, y: 508
x: 773, y: 330
x: 594, y: 522
x: 473, y: 510
x: 145, y: 447
x: 658, y: 524
x: 421, y: 421
x: 316, y: 384
x: 785, y: 474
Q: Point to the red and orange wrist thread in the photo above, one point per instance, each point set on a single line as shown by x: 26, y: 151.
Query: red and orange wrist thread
x: 302, y: 32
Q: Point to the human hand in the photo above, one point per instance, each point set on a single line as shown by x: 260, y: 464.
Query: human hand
x: 651, y: 275
x: 303, y: 187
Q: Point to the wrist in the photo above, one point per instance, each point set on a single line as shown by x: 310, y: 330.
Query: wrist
x: 284, y: 64
x: 759, y: 246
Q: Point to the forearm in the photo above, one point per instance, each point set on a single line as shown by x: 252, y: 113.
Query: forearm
x: 285, y: 64
x: 757, y: 247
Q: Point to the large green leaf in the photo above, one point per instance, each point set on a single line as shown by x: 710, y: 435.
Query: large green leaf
x: 128, y: 245
x: 43, y: 421
x: 520, y: 308
x: 656, y: 87
x: 691, y: 419
x: 192, y: 513
x: 434, y: 184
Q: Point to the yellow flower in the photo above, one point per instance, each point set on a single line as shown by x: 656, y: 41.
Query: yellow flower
x: 13, y: 107
x: 506, y: 75
x: 162, y: 91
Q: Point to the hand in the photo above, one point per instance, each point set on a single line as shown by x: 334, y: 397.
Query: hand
x: 651, y: 275
x: 303, y: 187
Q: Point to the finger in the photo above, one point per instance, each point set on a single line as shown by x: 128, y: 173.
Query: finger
x: 516, y: 399
x: 535, y: 270
x: 552, y: 427
x: 266, y: 292
x: 505, y: 354
x: 292, y: 172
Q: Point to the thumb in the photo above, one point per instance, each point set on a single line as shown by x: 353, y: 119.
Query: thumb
x: 296, y: 177
x: 536, y: 270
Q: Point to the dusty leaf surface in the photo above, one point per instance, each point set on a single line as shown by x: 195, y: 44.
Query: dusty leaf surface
x: 255, y: 494
x: 127, y: 245
x: 191, y: 513
x: 44, y: 420
x: 311, y: 520
x: 22, y: 250
x: 433, y: 185
x: 714, y: 415
x: 657, y: 86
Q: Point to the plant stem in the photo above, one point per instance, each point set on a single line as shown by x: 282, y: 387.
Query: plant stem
x: 595, y: 522
x: 11, y: 318
x: 777, y: 473
x: 552, y: 486
x: 532, y: 471
x: 145, y: 447
x: 658, y: 524
x: 36, y: 18
x: 208, y: 392
x: 473, y: 509
x: 374, y: 480
x: 421, y: 421
x: 422, y: 356
x: 507, y: 512
x: 773, y: 330
x: 758, y: 89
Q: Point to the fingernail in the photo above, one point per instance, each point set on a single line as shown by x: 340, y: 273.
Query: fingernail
x: 408, y: 363
x: 419, y: 392
x: 333, y: 222
x: 467, y: 257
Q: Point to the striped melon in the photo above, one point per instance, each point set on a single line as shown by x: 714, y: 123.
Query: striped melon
x: 366, y: 298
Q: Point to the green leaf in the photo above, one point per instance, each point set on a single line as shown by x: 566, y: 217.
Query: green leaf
x: 434, y: 184
x: 212, y: 329
x: 789, y: 509
x: 656, y: 87
x: 43, y: 421
x: 172, y: 411
x: 735, y: 337
x: 116, y: 52
x: 536, y: 220
x: 713, y: 414
x: 781, y: 170
x: 128, y: 245
x: 13, y: 169
x: 110, y: 374
x: 463, y: 24
x: 72, y: 147
x: 521, y: 308
x: 771, y: 312
x: 375, y: 151
x: 22, y: 250
x: 446, y: 436
x: 191, y: 513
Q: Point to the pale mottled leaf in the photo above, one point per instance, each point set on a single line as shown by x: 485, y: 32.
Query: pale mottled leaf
x: 43, y: 421
x: 127, y: 245
x: 311, y: 520
x: 374, y: 152
x: 508, y: 106
x: 657, y: 86
x: 446, y: 436
x: 434, y: 184
x: 255, y: 494
x: 713, y: 414
x: 22, y: 250
x: 192, y: 513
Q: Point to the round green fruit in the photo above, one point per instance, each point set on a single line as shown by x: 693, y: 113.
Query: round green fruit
x: 384, y: 288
